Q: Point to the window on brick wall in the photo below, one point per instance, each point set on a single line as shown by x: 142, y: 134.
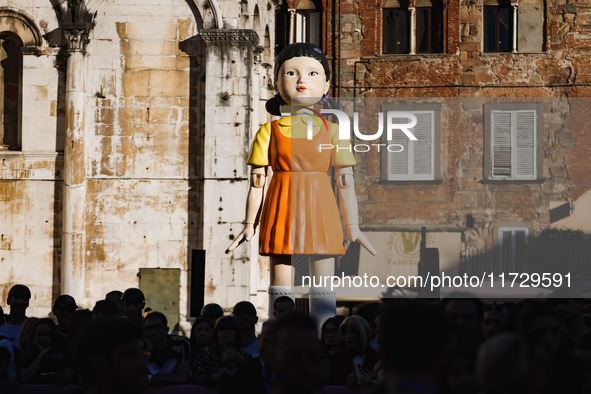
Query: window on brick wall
x: 397, y: 23
x: 513, y: 141
x: 11, y: 61
x: 513, y: 27
x: 306, y: 27
x: 417, y: 160
x: 512, y: 247
x: 429, y: 21
x: 498, y: 28
x: 396, y: 30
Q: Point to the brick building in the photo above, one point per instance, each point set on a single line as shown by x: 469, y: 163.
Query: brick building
x: 502, y: 153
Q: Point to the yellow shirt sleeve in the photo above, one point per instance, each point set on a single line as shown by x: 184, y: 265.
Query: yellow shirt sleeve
x: 259, y: 151
x: 343, y: 156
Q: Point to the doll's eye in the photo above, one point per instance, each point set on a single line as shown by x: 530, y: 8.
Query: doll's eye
x: 313, y: 73
x: 290, y: 73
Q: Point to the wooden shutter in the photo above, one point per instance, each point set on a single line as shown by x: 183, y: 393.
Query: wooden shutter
x: 422, y: 148
x: 398, y: 162
x: 525, y: 144
x: 501, y: 143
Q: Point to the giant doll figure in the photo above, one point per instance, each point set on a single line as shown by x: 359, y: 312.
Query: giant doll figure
x: 299, y: 215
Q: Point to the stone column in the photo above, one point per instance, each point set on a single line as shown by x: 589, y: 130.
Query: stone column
x: 230, y: 121
x: 413, y: 30
x: 74, y: 173
x: 514, y: 45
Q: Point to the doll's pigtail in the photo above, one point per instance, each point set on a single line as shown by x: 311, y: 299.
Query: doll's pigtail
x: 273, y: 105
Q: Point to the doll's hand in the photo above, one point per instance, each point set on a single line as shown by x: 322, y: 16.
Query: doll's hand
x: 245, y: 235
x: 356, y: 235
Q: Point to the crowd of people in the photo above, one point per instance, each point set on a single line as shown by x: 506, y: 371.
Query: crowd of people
x: 459, y: 345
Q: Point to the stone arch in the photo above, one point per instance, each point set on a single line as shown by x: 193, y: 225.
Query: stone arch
x: 21, y: 25
x: 256, y: 19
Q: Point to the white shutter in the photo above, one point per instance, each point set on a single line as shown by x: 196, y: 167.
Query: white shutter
x: 398, y: 168
x: 525, y: 144
x: 501, y: 143
x: 422, y: 148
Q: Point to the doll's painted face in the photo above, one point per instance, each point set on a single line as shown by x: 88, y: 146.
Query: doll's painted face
x: 301, y: 81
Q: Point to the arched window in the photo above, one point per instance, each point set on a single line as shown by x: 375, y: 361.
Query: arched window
x: 305, y: 26
x: 10, y: 90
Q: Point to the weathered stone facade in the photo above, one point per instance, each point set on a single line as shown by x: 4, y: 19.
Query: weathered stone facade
x: 136, y: 118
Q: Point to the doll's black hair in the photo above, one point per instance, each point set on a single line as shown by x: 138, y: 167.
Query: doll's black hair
x: 299, y: 49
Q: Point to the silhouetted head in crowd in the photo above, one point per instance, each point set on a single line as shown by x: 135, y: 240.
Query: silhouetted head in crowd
x: 370, y: 313
x: 156, y: 328
x: 245, y: 314
x: 79, y: 319
x: 226, y: 332
x: 281, y: 305
x: 212, y: 312
x: 201, y: 334
x: 330, y: 335
x: 539, y: 324
x: 460, y: 369
x: 105, y: 309
x: 18, y: 300
x: 505, y: 366
x: 133, y: 303
x: 110, y: 357
x: 412, y: 337
x: 26, y: 337
x: 115, y: 297
x: 265, y: 340
x: 356, y: 333
x: 63, y: 309
x: 465, y: 315
x: 296, y: 355
x: 495, y: 319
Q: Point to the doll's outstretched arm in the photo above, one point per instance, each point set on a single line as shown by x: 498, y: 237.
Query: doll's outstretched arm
x: 349, y: 208
x: 258, y: 177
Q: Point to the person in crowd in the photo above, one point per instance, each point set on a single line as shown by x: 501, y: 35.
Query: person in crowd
x: 330, y: 336
x: 201, y: 335
x: 8, y: 375
x: 47, y: 358
x: 18, y: 300
x: 296, y: 356
x: 133, y: 301
x: 105, y: 309
x: 170, y: 357
x: 212, y: 312
x: 78, y: 320
x: 246, y: 315
x: 26, y: 338
x: 110, y: 358
x: 115, y: 297
x: 460, y: 373
x: 465, y: 314
x: 506, y: 365
x: 413, y: 341
x: 281, y: 305
x: 552, y: 348
x: 568, y: 306
x: 370, y: 313
x: 63, y: 309
x: 212, y: 364
x: 253, y: 376
x: 495, y: 319
x: 355, y: 364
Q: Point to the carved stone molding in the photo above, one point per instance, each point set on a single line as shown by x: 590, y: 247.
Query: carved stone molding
x: 76, y: 40
x: 231, y: 37
x: 76, y: 36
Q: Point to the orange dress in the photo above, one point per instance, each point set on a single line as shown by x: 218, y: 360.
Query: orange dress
x: 300, y: 213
